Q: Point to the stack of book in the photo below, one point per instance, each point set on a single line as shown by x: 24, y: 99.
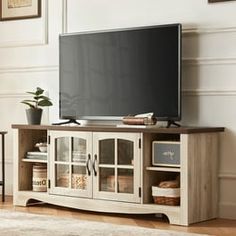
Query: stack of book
x: 37, y: 155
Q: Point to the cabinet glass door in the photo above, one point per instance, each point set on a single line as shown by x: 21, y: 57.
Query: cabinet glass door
x: 70, y: 164
x: 61, y: 162
x: 125, y: 159
x: 79, y: 178
x: 116, y: 166
x: 106, y: 165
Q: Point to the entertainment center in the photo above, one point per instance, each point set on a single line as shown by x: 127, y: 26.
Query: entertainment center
x: 109, y: 75
x: 109, y: 169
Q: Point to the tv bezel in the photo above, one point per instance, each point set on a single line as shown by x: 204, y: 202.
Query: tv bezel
x: 118, y: 118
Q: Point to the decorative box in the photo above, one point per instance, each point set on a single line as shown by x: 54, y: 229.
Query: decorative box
x: 166, y: 153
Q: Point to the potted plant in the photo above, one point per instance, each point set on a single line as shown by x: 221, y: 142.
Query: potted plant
x: 34, y: 113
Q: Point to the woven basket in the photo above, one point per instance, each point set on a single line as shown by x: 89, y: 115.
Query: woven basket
x: 78, y: 181
x: 166, y: 196
x: 171, y: 201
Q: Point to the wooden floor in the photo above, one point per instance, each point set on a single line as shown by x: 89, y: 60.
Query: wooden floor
x: 219, y: 227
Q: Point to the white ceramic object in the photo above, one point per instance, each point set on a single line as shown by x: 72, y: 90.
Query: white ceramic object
x: 42, y: 148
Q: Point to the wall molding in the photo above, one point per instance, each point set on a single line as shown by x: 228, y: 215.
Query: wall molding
x: 27, y: 43
x: 14, y: 95
x: 208, y: 92
x: 64, y: 16
x: 28, y: 69
x: 227, y: 176
x: 186, y: 62
x: 209, y: 61
x: 188, y: 31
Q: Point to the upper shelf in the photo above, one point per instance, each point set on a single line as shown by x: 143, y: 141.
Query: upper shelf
x: 113, y: 128
x: 165, y: 169
x: 34, y: 160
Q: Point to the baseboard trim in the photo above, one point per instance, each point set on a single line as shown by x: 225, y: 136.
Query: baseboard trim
x: 227, y: 210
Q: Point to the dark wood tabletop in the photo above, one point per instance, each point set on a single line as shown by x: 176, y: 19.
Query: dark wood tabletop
x: 120, y: 128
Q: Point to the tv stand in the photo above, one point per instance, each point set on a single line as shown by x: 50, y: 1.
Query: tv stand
x: 171, y: 122
x: 110, y: 169
x: 70, y: 121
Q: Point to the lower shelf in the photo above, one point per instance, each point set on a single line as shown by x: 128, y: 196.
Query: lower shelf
x: 21, y: 198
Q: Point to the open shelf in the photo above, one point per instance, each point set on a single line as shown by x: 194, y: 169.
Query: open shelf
x: 34, y: 160
x: 166, y: 169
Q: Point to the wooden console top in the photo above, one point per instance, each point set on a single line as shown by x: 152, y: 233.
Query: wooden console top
x: 113, y: 128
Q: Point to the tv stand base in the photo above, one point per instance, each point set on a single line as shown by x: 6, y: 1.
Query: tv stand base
x: 23, y: 198
x: 171, y: 122
x: 70, y: 121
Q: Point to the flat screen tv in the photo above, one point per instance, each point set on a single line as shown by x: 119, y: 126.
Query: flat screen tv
x: 111, y: 74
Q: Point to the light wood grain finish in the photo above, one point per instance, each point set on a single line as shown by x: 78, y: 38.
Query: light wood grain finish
x: 152, y: 178
x: 27, y: 140
x: 198, y: 172
x: 199, y: 183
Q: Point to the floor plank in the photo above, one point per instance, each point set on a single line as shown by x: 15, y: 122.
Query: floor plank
x: 218, y: 227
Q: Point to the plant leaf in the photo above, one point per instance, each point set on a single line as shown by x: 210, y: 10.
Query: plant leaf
x: 44, y: 103
x: 27, y: 103
x: 39, y: 91
x: 38, y: 99
x: 42, y: 97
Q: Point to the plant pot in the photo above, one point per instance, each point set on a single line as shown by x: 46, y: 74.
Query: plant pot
x: 34, y: 116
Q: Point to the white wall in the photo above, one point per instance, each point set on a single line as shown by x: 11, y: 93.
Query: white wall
x: 29, y: 58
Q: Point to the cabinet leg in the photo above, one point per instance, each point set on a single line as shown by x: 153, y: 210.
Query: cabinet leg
x: 3, y: 166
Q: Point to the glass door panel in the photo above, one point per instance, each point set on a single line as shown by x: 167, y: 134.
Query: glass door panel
x: 107, y: 179
x: 107, y: 151
x: 117, y: 159
x: 125, y: 181
x: 71, y: 163
x: 79, y: 148
x: 62, y: 175
x: 62, y: 149
x: 125, y: 152
x: 79, y: 177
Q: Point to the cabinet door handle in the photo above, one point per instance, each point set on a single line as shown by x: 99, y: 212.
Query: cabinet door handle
x: 94, y: 165
x: 88, y: 164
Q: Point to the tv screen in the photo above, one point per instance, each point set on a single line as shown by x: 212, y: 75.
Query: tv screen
x: 115, y: 73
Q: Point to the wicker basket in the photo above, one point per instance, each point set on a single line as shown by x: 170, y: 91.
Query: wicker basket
x: 166, y: 196
x: 78, y: 181
x: 171, y: 201
x: 125, y: 183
